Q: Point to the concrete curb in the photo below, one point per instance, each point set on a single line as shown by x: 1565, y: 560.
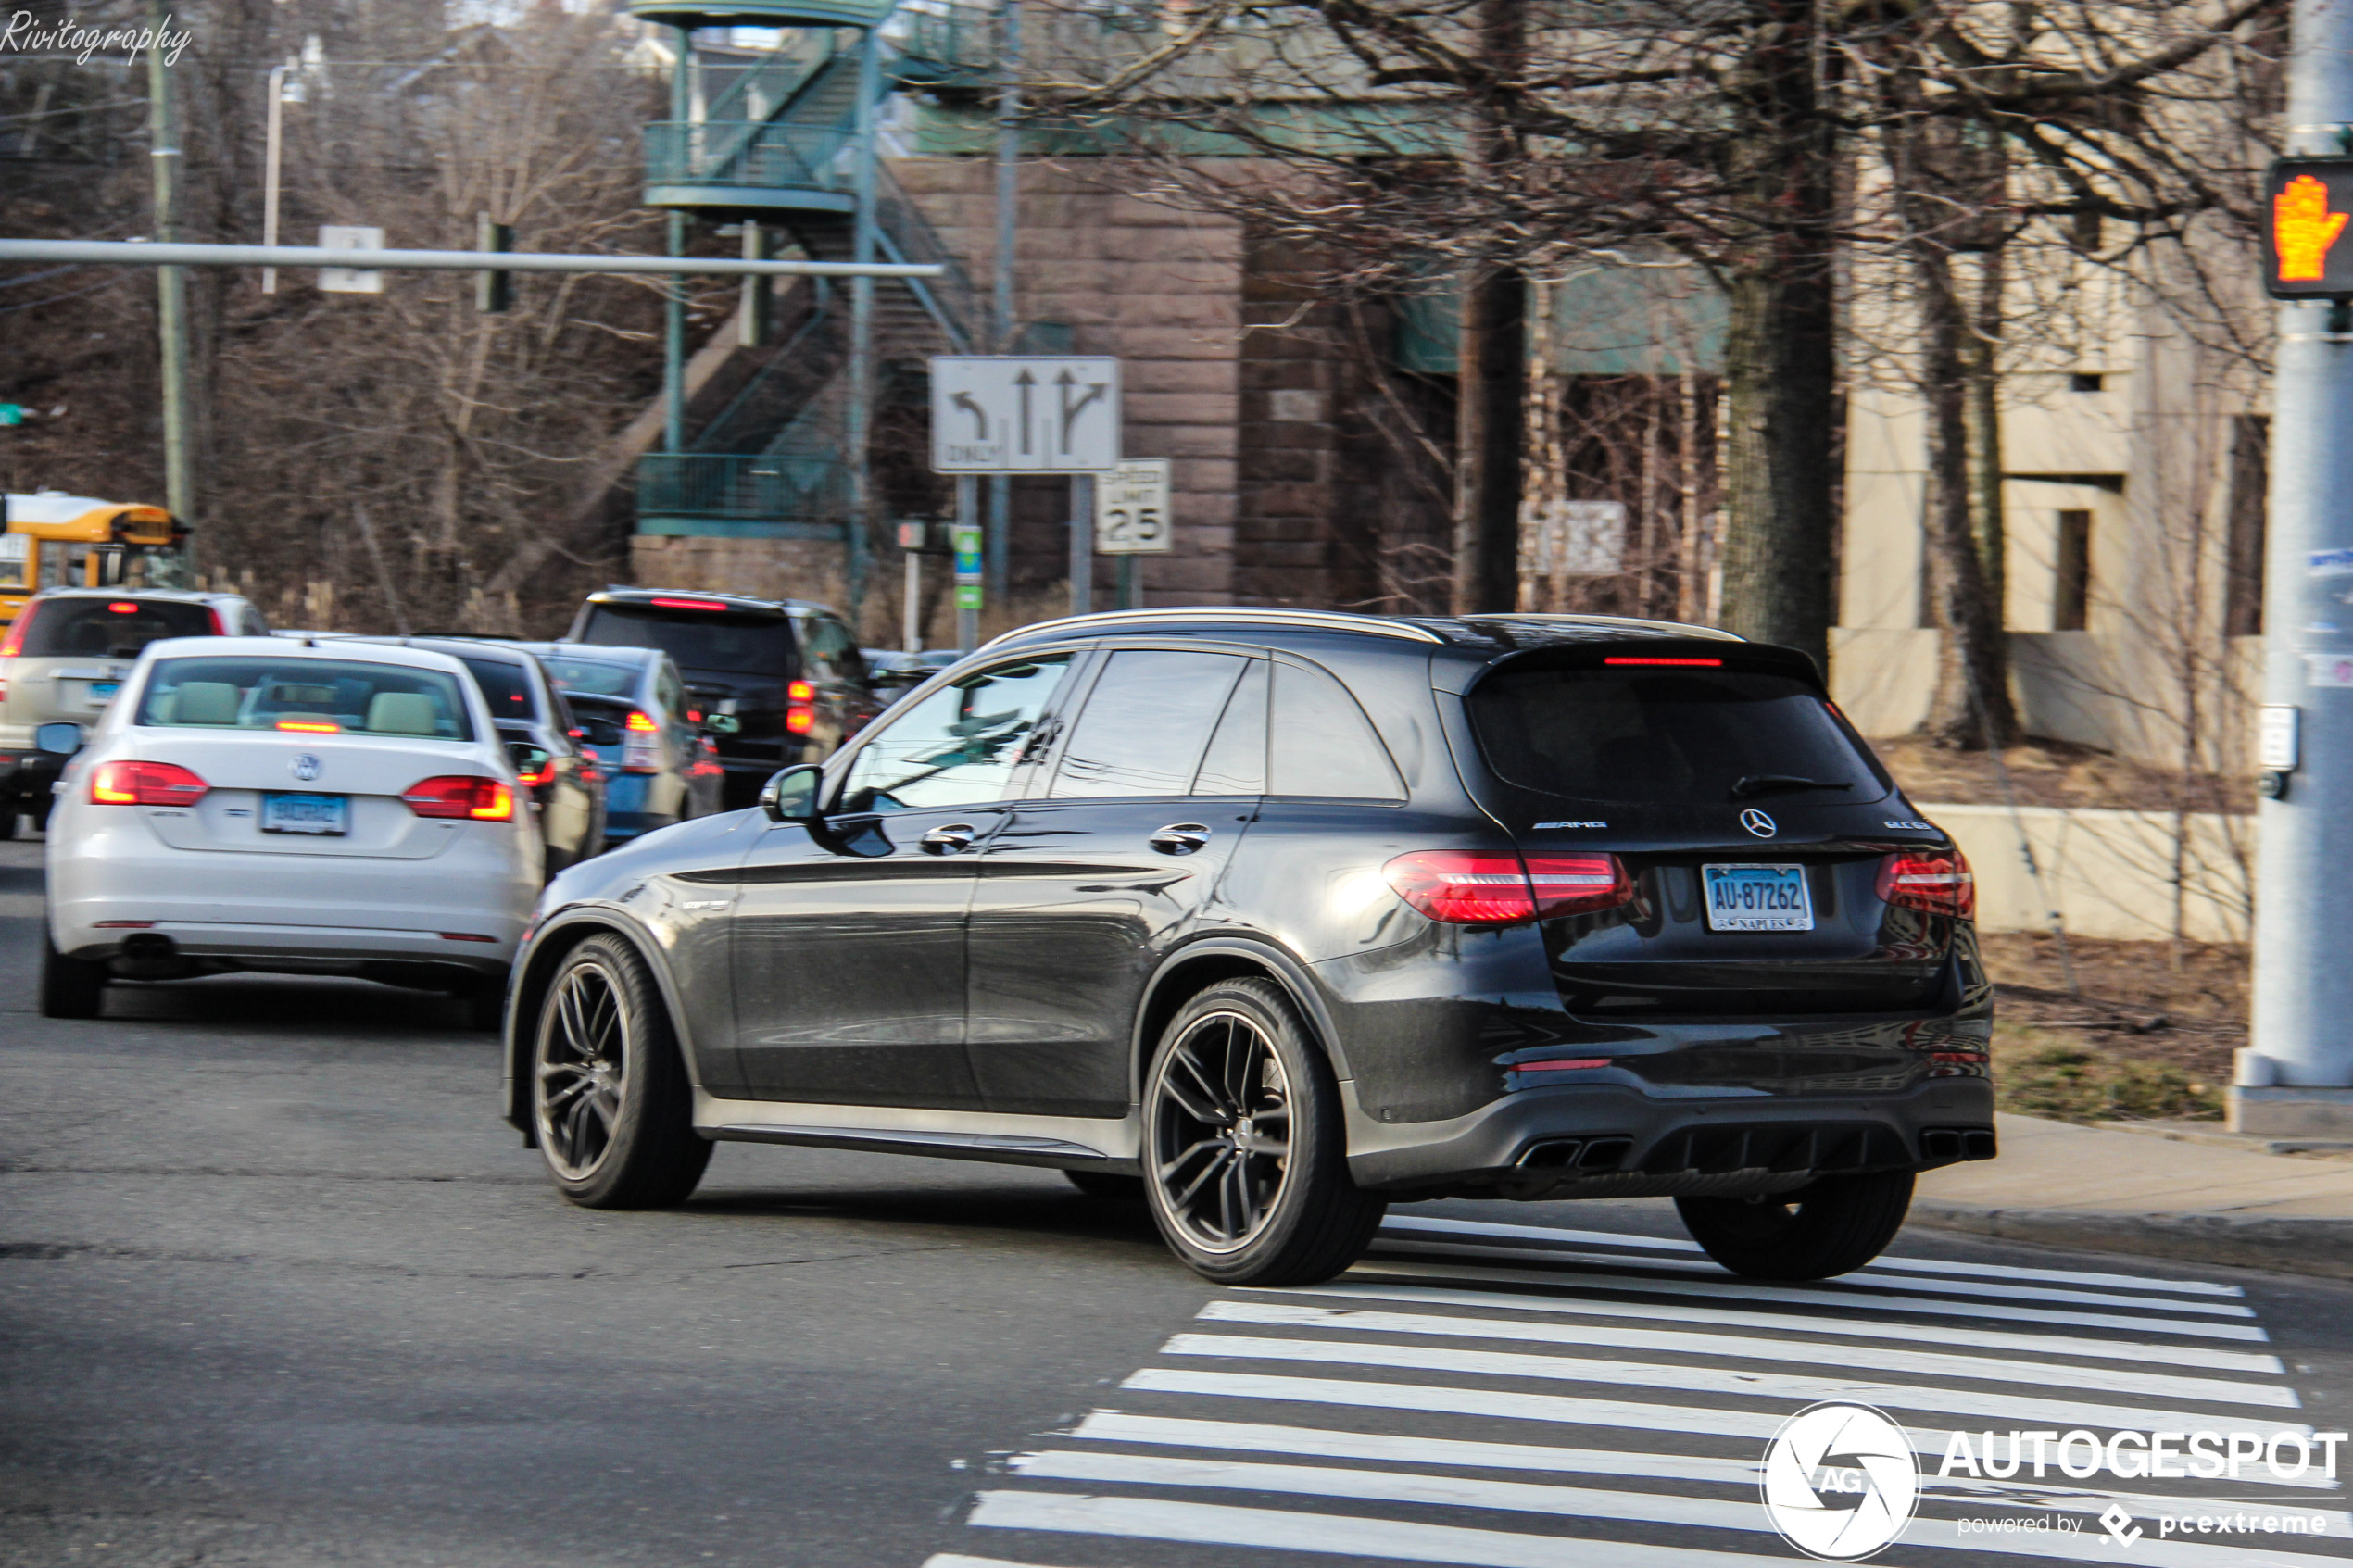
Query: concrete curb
x: 2317, y: 1247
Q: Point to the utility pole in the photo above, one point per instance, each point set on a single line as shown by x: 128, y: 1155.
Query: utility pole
x: 172, y: 288
x: 1000, y: 501
x: 2297, y: 1078
x: 673, y: 318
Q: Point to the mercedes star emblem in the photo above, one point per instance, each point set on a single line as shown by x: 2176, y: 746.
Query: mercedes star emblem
x: 1758, y: 824
x: 307, y: 767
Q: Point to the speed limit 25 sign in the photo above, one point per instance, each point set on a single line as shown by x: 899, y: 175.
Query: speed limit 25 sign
x: 1131, y: 508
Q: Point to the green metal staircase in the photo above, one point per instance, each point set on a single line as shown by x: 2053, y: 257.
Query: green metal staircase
x: 775, y: 140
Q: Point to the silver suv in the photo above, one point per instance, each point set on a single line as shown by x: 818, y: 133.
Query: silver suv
x: 65, y: 655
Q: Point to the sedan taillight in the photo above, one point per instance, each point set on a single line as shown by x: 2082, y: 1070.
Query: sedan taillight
x: 461, y: 794
x: 1935, y: 882
x: 145, y: 783
x: 1464, y: 887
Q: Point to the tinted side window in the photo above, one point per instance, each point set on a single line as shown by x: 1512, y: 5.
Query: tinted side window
x: 1323, y: 744
x: 670, y: 694
x: 1146, y: 723
x: 958, y: 746
x: 1236, y: 762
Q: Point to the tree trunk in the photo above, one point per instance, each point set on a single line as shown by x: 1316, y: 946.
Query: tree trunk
x: 1490, y: 374
x: 1982, y: 365
x: 1971, y: 709
x: 1490, y: 370
x: 1781, y: 370
x: 1781, y: 382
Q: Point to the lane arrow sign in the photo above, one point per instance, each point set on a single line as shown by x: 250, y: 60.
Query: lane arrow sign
x: 1024, y: 381
x: 1072, y: 410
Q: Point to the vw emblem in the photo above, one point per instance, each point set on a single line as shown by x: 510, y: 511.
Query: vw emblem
x: 307, y: 767
x: 1758, y: 824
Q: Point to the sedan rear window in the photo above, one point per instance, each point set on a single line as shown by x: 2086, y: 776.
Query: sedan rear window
x: 596, y: 677
x: 699, y: 639
x: 305, y: 697
x: 1668, y: 736
x: 109, y: 628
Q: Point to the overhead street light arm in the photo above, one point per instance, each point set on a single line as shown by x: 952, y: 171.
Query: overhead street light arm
x: 133, y: 253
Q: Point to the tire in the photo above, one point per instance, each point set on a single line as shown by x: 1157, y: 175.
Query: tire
x: 1108, y: 1186
x: 1827, y: 1227
x: 8, y: 817
x: 611, y: 1104
x: 1240, y: 1205
x: 69, y: 987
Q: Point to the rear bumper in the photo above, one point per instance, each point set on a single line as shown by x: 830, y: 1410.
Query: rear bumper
x: 327, y: 948
x: 1607, y: 1141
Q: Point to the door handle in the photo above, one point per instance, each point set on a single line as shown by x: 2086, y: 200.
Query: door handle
x: 1179, y: 838
x: 948, y: 840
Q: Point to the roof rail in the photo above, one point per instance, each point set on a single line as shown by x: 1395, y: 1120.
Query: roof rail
x: 1712, y: 631
x: 1308, y: 619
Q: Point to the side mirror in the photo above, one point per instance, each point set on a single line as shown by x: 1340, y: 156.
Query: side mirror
x: 790, y: 795
x: 530, y: 760
x: 57, y: 740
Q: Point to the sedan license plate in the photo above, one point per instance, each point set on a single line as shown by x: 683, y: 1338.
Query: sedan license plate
x: 1757, y: 898
x: 329, y: 814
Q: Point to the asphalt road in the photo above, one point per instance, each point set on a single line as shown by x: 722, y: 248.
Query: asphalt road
x: 280, y: 1289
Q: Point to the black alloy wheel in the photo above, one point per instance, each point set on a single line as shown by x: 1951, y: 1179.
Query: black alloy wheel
x: 1829, y: 1226
x: 611, y: 1104
x: 1245, y: 1155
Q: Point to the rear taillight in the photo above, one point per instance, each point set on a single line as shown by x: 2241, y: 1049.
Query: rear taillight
x: 219, y: 627
x: 539, y: 775
x: 640, y: 747
x: 461, y: 794
x: 145, y: 783
x: 1935, y: 882
x: 800, y: 708
x: 1463, y: 888
x: 12, y: 643
x: 1577, y: 884
x: 309, y: 726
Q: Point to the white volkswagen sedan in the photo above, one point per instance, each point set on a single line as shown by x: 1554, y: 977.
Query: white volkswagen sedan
x: 259, y: 803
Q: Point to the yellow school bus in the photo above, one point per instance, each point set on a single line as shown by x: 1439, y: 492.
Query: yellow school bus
x: 52, y: 540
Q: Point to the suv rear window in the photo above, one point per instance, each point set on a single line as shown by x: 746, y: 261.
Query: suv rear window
x: 504, y: 687
x: 1667, y: 736
x: 699, y: 639
x: 109, y: 628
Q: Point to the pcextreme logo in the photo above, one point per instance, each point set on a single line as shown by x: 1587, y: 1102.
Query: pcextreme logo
x: 1840, y: 1481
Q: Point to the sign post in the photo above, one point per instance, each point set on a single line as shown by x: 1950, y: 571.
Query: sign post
x: 2296, y: 1077
x: 1131, y: 518
x: 1005, y: 414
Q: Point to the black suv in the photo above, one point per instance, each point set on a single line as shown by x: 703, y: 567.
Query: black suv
x: 1290, y: 914
x: 780, y: 680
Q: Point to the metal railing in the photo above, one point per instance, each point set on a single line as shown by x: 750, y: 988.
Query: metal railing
x: 765, y: 156
x: 744, y: 486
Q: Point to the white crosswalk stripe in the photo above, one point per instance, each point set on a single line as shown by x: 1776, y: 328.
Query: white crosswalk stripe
x: 1405, y: 1412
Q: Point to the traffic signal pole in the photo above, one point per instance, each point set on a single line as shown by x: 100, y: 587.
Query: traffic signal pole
x: 2297, y: 1078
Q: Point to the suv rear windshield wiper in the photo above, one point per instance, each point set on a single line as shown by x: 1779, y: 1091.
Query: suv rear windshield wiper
x: 1767, y: 784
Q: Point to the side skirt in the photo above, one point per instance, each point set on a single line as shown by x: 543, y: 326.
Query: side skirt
x: 1063, y: 1142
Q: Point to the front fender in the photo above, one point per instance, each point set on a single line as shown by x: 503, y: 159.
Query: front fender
x: 555, y: 936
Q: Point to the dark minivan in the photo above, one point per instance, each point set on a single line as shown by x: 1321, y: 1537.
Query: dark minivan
x: 780, y: 680
x: 1273, y: 917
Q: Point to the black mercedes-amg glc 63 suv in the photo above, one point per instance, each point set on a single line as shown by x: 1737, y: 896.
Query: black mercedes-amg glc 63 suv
x: 1278, y: 917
